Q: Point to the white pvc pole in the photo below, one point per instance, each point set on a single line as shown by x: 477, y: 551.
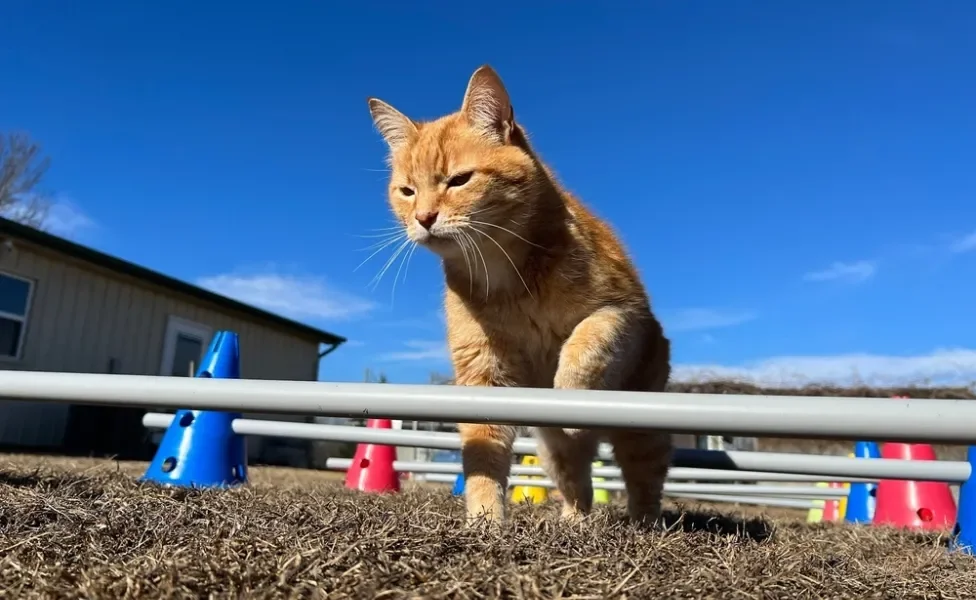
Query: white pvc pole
x: 904, y: 420
x: 674, y: 474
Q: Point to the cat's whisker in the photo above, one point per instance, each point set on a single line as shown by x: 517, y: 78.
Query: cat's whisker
x: 492, y: 240
x: 389, y: 263
x: 383, y: 245
x: 469, y: 243
x: 385, y: 240
x: 485, y: 264
x: 464, y: 252
x: 483, y: 210
x: 409, y: 256
x: 393, y: 227
x: 406, y: 255
x: 392, y: 232
x: 505, y: 229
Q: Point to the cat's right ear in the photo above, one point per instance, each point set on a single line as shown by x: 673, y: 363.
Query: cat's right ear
x: 487, y: 106
x: 395, y: 127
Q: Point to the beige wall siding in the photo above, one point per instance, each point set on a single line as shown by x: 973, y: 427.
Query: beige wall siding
x: 84, y: 319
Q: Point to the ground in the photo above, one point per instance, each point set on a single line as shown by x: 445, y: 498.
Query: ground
x: 86, y: 528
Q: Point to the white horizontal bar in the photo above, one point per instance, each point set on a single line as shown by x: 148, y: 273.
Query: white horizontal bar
x: 752, y: 500
x: 341, y: 464
x: 674, y: 474
x: 788, y: 491
x: 906, y: 420
x: 834, y: 468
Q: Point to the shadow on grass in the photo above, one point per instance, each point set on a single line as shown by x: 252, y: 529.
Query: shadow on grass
x: 755, y: 529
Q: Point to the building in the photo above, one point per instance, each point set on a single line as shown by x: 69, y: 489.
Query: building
x: 67, y: 307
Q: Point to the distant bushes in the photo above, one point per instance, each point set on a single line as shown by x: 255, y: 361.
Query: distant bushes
x: 829, y: 447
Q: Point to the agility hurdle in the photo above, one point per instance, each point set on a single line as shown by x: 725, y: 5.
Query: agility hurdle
x: 217, y: 403
x: 713, y: 492
x: 707, y: 464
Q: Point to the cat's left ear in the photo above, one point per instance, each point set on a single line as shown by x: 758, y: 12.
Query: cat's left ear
x: 487, y: 105
x: 395, y: 127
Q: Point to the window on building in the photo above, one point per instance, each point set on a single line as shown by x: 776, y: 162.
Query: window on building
x: 15, y: 295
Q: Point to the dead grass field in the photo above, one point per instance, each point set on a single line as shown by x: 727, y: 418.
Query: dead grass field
x: 85, y: 528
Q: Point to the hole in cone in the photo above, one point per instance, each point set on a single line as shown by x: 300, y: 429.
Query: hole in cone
x: 364, y: 463
x: 186, y: 419
x: 169, y: 464
x: 925, y: 514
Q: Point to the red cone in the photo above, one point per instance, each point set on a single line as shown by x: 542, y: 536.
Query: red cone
x: 372, y: 466
x: 927, y: 505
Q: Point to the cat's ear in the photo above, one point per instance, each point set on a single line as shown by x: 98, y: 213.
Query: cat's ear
x: 395, y: 127
x: 487, y: 105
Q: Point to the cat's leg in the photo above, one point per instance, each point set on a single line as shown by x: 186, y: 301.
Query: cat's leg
x: 486, y: 457
x: 567, y: 456
x: 486, y: 449
x: 603, y: 349
x: 604, y: 352
x: 644, y: 458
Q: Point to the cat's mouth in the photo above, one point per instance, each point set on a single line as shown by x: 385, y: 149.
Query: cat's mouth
x: 427, y: 237
x: 440, y: 240
x: 439, y: 233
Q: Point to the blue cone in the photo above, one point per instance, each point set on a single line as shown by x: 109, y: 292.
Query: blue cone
x: 964, y: 533
x: 862, y: 497
x: 200, y: 448
x: 458, y: 485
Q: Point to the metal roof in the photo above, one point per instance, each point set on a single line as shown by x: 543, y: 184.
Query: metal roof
x: 90, y: 255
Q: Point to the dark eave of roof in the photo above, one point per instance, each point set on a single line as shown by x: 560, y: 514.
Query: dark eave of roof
x: 59, y: 244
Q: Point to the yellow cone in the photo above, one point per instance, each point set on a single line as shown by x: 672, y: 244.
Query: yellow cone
x: 526, y: 493
x: 600, y: 496
x: 815, y: 514
x: 842, y: 504
x: 827, y: 510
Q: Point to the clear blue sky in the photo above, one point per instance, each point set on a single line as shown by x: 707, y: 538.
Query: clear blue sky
x: 796, y: 181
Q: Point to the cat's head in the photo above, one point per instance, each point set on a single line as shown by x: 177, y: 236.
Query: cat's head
x: 464, y: 176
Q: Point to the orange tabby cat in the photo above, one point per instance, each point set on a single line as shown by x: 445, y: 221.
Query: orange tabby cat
x: 540, y: 293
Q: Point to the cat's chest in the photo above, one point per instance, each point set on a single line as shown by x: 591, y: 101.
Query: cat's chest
x: 532, y: 339
x: 535, y: 331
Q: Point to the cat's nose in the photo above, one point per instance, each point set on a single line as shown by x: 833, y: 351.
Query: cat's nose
x: 427, y: 219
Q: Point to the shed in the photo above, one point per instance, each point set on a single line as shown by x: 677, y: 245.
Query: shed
x: 68, y: 307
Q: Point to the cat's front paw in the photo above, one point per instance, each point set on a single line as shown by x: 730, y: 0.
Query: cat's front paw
x: 485, y: 502
x: 573, y: 514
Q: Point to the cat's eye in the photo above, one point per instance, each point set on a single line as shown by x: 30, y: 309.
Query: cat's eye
x: 460, y: 179
x: 406, y: 191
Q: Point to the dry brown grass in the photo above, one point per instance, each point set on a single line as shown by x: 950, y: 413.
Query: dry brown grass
x: 85, y: 528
